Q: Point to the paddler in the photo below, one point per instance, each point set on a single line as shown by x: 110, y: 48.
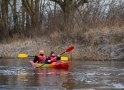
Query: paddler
x: 41, y: 58
x: 52, y: 58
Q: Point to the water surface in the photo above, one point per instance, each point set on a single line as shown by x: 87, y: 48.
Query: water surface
x: 17, y: 74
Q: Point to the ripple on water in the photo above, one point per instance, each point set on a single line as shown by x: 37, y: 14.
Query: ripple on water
x: 121, y: 74
x: 118, y: 85
x: 13, y: 70
x: 3, y: 66
x: 110, y: 69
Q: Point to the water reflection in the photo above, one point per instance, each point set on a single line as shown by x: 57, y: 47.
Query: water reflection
x: 82, y: 75
x: 21, y: 76
x: 96, y: 75
x: 42, y: 76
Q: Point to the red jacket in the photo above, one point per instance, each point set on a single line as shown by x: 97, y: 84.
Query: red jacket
x: 53, y: 59
x: 41, y: 58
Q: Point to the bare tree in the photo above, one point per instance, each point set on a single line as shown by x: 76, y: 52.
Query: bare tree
x: 23, y: 17
x: 37, y: 10
x: 30, y: 11
x: 69, y: 8
x: 15, y: 17
x: 4, y: 22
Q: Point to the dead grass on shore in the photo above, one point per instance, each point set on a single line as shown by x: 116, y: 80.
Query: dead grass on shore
x: 88, y: 46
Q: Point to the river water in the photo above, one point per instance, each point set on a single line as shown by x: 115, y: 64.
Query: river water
x: 17, y: 74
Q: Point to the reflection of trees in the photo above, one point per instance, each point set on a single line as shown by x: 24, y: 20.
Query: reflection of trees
x: 21, y: 77
x: 69, y: 84
x: 3, y: 78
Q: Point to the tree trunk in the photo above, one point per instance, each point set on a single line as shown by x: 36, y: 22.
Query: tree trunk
x: 69, y: 8
x: 32, y: 15
x: 23, y: 17
x: 37, y: 10
x: 30, y: 11
x: 55, y: 9
x: 15, y: 17
x: 69, y: 17
x: 5, y: 18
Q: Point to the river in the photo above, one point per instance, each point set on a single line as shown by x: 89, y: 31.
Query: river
x: 17, y: 74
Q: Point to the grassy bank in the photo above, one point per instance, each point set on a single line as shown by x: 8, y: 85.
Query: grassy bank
x: 95, y: 44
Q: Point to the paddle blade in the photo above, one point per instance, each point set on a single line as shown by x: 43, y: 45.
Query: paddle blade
x: 22, y: 55
x: 64, y: 58
x: 70, y: 48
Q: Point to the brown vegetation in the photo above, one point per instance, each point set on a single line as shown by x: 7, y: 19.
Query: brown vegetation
x: 96, y: 27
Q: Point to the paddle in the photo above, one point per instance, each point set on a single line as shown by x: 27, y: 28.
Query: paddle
x: 22, y: 55
x: 64, y: 58
x: 67, y: 50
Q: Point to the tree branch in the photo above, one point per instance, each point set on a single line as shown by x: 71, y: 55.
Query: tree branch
x: 60, y: 2
x: 57, y: 1
x: 81, y: 2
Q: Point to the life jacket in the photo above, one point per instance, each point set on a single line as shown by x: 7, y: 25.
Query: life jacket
x: 53, y: 59
x: 41, y: 58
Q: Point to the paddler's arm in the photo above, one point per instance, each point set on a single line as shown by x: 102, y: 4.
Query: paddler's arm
x: 58, y: 57
x: 36, y: 58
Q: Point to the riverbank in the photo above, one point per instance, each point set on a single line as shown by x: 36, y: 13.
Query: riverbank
x: 95, y: 44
